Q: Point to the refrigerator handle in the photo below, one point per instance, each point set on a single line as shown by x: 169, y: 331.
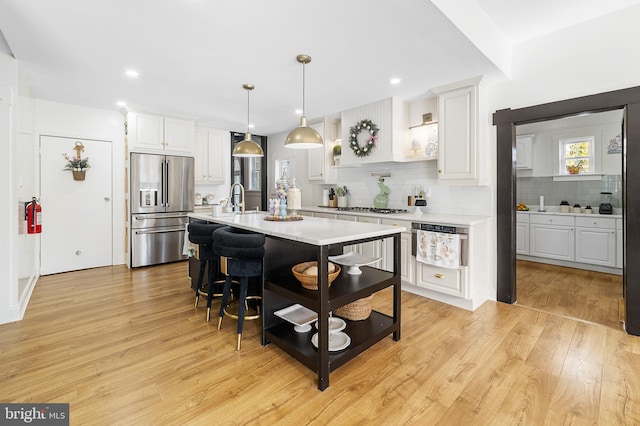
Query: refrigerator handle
x: 163, y: 183
x: 166, y: 183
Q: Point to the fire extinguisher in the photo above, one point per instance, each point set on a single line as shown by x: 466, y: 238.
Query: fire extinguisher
x: 33, y: 213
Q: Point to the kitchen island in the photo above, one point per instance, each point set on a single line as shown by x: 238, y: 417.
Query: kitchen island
x: 288, y: 243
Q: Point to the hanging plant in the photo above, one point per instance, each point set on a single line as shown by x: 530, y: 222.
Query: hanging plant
x: 77, y: 164
x: 371, y: 129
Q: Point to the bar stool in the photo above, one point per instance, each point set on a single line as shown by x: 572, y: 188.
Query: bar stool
x: 201, y: 233
x: 244, y: 252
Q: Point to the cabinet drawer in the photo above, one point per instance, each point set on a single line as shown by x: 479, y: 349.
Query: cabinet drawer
x: 406, y: 225
x: 552, y: 219
x: 522, y: 217
x: 443, y: 280
x: 596, y: 222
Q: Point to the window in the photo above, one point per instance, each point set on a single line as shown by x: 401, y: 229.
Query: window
x: 577, y: 156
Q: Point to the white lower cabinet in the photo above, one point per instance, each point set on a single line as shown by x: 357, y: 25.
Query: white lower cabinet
x: 407, y: 261
x: 619, y: 244
x: 552, y: 236
x: 596, y: 241
x: 522, y: 233
x: 372, y: 248
x: 443, y: 280
x: 352, y: 248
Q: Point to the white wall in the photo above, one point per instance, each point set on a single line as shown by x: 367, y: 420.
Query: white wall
x: 56, y: 119
x: 9, y: 309
x: 593, y: 57
x: 546, y: 156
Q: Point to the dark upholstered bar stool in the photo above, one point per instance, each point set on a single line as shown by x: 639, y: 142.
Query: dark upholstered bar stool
x: 201, y: 233
x: 244, y: 252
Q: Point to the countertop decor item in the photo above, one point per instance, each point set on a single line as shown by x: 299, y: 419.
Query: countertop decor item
x: 372, y: 129
x: 283, y: 218
x: 564, y: 207
x: 309, y: 281
x: 381, y: 200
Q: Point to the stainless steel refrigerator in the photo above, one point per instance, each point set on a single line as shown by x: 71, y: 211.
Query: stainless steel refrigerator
x: 161, y: 195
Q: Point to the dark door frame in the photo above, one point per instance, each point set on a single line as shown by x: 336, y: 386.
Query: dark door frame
x: 506, y: 121
x: 262, y: 141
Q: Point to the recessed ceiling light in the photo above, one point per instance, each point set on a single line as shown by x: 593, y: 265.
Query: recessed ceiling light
x: 121, y: 103
x: 395, y: 80
x: 298, y: 111
x: 132, y: 73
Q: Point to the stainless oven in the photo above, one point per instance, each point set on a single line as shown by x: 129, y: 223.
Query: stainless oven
x: 464, y: 237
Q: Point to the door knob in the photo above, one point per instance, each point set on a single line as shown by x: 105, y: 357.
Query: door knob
x: 107, y: 199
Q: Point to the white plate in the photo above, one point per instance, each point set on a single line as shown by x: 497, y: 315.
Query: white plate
x: 354, y: 261
x: 297, y: 315
x: 335, y: 324
x: 337, y: 341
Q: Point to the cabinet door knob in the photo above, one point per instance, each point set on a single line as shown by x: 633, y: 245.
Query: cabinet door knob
x: 438, y: 275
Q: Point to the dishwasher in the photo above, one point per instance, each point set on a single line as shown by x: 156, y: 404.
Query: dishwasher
x: 462, y: 231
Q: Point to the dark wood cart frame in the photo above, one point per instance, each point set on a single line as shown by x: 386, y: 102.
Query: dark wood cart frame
x: 281, y: 289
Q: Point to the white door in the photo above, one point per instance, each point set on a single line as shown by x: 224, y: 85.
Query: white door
x: 77, y: 227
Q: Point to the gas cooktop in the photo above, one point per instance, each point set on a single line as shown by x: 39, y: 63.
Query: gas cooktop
x: 372, y: 210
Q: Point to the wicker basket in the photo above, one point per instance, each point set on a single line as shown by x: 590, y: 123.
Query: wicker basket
x: 356, y: 311
x: 310, y: 282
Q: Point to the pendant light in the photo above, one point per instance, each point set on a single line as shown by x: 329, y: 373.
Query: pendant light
x: 303, y: 137
x: 247, y: 147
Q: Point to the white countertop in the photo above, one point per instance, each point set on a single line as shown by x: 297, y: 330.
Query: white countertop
x: 310, y: 230
x: 438, y: 219
x: 555, y: 211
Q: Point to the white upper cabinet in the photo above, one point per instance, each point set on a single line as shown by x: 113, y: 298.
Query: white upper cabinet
x: 391, y: 117
x: 154, y: 133
x: 460, y: 130
x: 524, y: 152
x: 320, y: 169
x: 210, y: 162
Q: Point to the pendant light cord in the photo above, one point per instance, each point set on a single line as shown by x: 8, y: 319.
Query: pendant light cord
x: 248, y: 92
x: 303, y: 87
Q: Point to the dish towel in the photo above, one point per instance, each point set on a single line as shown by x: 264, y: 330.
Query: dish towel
x: 188, y: 248
x: 438, y: 249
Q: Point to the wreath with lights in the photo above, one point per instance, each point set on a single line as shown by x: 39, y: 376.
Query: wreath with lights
x: 363, y: 151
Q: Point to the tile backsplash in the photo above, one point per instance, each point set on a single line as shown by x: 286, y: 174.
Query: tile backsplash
x: 529, y: 190
x: 363, y: 187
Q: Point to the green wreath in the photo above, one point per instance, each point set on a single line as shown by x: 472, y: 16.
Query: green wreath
x: 363, y: 151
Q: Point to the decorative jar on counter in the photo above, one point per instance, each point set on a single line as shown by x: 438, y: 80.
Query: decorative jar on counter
x: 294, y: 198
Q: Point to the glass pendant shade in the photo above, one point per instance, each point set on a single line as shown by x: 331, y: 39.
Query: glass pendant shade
x: 247, y: 147
x: 303, y: 137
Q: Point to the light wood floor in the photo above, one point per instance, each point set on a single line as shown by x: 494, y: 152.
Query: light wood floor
x: 576, y: 293
x: 128, y: 348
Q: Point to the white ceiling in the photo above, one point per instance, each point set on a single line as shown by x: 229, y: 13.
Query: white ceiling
x: 194, y: 55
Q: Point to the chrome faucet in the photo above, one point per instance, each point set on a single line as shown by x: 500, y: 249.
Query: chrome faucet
x: 241, y: 203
